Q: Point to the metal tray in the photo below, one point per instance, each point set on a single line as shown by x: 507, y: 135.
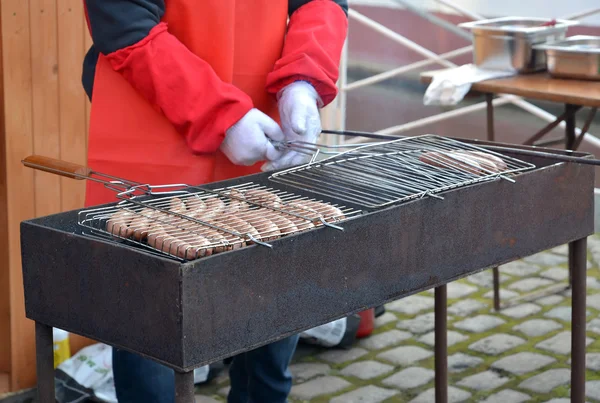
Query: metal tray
x: 575, y: 57
x: 507, y: 43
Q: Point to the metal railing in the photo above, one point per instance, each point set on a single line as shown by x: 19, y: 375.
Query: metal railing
x: 334, y: 116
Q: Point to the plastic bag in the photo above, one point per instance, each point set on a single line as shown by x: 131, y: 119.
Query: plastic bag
x: 88, y: 376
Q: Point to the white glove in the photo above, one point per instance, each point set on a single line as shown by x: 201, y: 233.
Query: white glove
x: 299, y: 112
x: 248, y: 141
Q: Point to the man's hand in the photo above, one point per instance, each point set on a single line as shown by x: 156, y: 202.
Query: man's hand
x: 248, y: 141
x: 300, y: 121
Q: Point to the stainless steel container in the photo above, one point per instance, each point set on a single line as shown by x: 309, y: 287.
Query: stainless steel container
x: 507, y: 43
x: 574, y: 57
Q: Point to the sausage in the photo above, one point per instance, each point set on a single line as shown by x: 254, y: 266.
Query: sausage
x: 237, y: 224
x: 304, y: 210
x: 500, y: 165
x: 177, y: 205
x: 118, y: 223
x: 236, y: 202
x: 231, y: 241
x: 214, y: 205
x: 292, y: 213
x: 285, y: 225
x: 264, y: 197
x: 142, y: 224
x: 267, y: 229
x: 327, y: 211
x: 195, y: 204
x: 451, y: 160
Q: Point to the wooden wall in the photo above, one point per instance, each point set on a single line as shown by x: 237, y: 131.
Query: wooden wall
x: 44, y: 111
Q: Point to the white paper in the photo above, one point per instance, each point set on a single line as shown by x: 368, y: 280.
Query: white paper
x: 449, y: 87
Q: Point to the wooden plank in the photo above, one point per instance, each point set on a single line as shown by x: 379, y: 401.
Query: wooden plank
x: 4, y: 273
x: 4, y: 382
x: 71, y: 40
x: 539, y: 86
x: 88, y: 105
x: 16, y: 58
x: 46, y: 137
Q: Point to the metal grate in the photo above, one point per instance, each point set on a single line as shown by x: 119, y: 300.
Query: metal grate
x: 199, y: 223
x: 374, y: 176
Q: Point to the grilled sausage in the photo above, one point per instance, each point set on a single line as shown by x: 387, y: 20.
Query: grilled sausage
x: 195, y: 204
x: 263, y: 197
x: 327, y: 211
x: 142, y: 223
x: 451, y: 160
x: 499, y: 164
x: 214, y: 206
x: 267, y: 229
x: 236, y: 202
x: 283, y: 222
x: 118, y: 223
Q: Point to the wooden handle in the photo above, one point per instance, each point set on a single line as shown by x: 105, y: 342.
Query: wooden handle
x: 58, y: 167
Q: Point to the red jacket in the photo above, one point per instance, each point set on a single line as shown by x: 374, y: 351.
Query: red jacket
x: 171, y: 76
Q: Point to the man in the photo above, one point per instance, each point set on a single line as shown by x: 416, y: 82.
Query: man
x: 190, y: 91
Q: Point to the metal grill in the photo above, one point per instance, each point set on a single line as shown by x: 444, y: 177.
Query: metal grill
x: 377, y: 175
x: 199, y: 223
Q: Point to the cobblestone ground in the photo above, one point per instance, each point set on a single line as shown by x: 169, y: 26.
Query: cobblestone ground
x: 520, y: 354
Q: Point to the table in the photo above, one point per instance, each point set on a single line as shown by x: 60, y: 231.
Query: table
x: 574, y: 94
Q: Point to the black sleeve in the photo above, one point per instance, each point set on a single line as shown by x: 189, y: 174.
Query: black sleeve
x: 293, y: 5
x: 117, y: 24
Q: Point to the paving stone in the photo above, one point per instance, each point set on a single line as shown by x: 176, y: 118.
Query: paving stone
x: 559, y: 400
x: 420, y: 324
x: 224, y: 391
x: 562, y: 313
x: 537, y: 327
x: 546, y: 259
x: 455, y: 395
x: 459, y: 290
x: 504, y: 294
x: 366, y: 394
x: 452, y: 339
x: 547, y: 381
x: 560, y: 343
x: 366, y: 369
x: 507, y: 396
x: 594, y: 326
x: 496, y: 344
x: 304, y: 371
x: 594, y: 301
x: 385, y: 339
x: 592, y: 389
x: 459, y: 362
x: 550, y: 300
x: 556, y: 274
x: 487, y: 380
x: 529, y: 284
x: 519, y: 268
x: 341, y: 356
x: 466, y: 307
x: 593, y: 283
x: 411, y: 305
x: 409, y: 378
x: 405, y: 355
x: 479, y: 323
x: 592, y: 361
x: 561, y: 250
x: 204, y: 399
x: 319, y: 386
x: 522, y: 363
x: 486, y: 278
x: 385, y: 319
x: 522, y: 310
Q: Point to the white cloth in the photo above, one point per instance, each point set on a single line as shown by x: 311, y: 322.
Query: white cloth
x: 248, y: 141
x: 449, y: 87
x: 298, y: 105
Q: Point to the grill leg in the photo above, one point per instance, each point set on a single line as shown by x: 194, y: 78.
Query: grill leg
x: 570, y: 123
x: 490, y: 116
x: 496, y: 272
x: 44, y: 355
x: 184, y: 387
x: 441, y: 346
x: 577, y: 263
